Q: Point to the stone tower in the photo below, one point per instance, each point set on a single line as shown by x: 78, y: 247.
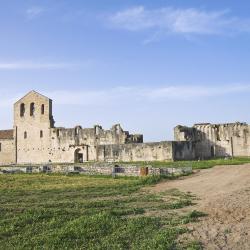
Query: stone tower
x: 32, y: 122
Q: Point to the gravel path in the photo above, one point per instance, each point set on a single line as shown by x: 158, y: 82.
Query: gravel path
x: 223, y: 193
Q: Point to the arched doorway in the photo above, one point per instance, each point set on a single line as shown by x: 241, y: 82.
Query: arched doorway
x: 78, y: 156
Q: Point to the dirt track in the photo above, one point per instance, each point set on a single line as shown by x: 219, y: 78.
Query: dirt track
x: 224, y: 194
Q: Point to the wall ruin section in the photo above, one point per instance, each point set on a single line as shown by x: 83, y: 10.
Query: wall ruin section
x: 216, y: 140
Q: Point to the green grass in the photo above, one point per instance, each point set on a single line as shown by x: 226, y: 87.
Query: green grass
x: 42, y: 211
x: 203, y: 164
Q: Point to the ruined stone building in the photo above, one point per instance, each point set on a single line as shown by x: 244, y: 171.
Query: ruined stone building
x: 35, y: 139
x: 216, y: 140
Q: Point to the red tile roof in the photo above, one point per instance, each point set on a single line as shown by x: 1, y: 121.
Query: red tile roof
x: 7, y: 134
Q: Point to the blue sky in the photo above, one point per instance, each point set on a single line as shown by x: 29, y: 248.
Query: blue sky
x: 149, y: 65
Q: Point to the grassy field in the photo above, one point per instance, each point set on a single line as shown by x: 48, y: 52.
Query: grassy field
x: 199, y: 164
x: 42, y: 211
x: 203, y: 164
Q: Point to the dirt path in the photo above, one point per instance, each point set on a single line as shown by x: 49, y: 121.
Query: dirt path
x: 224, y: 194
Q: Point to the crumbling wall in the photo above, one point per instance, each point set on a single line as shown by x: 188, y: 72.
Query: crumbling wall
x: 98, y: 169
x: 116, y: 135
x: 65, y: 142
x: 217, y: 140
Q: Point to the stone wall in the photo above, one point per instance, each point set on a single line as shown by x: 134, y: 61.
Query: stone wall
x: 66, y: 142
x: 99, y: 169
x: 159, y: 151
x: 7, y: 151
x: 216, y: 140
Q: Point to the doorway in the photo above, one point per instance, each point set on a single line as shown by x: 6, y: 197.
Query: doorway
x: 78, y: 156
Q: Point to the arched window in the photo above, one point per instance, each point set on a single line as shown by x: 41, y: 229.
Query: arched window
x: 32, y: 109
x: 77, y: 130
x: 0, y: 147
x: 42, y: 109
x: 25, y: 135
x: 41, y: 134
x: 22, y: 109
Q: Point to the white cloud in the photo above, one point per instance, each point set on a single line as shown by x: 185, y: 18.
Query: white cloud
x: 31, y: 65
x: 154, y: 111
x: 34, y: 12
x: 91, y: 97
x: 178, y: 21
x: 190, y: 92
x: 116, y: 96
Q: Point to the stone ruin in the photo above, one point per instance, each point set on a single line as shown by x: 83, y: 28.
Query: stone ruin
x: 35, y: 139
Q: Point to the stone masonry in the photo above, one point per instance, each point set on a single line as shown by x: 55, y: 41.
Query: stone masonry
x: 35, y: 139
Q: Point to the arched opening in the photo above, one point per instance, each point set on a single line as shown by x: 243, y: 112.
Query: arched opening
x: 78, y: 156
x: 25, y: 135
x: 77, y: 130
x: 41, y: 134
x: 22, y: 109
x: 32, y: 109
x: 42, y: 109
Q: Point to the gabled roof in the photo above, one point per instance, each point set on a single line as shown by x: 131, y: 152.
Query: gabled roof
x: 7, y: 134
x: 32, y: 92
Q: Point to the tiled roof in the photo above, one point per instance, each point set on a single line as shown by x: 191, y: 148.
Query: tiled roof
x: 6, y: 134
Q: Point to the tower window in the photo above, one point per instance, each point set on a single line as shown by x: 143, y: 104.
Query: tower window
x: 0, y: 147
x: 77, y: 130
x: 32, y: 109
x: 42, y: 109
x: 41, y: 134
x: 25, y: 135
x: 22, y: 109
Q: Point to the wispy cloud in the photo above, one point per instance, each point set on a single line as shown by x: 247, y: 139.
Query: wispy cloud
x: 34, y: 12
x: 144, y: 94
x: 31, y: 65
x: 188, y: 93
x: 178, y: 21
x: 132, y: 105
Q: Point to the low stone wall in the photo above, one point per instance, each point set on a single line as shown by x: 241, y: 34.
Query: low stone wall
x: 98, y: 169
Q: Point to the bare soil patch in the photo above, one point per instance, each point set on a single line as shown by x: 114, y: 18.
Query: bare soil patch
x: 223, y: 193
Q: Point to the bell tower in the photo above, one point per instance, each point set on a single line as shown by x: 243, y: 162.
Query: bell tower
x: 33, y: 120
